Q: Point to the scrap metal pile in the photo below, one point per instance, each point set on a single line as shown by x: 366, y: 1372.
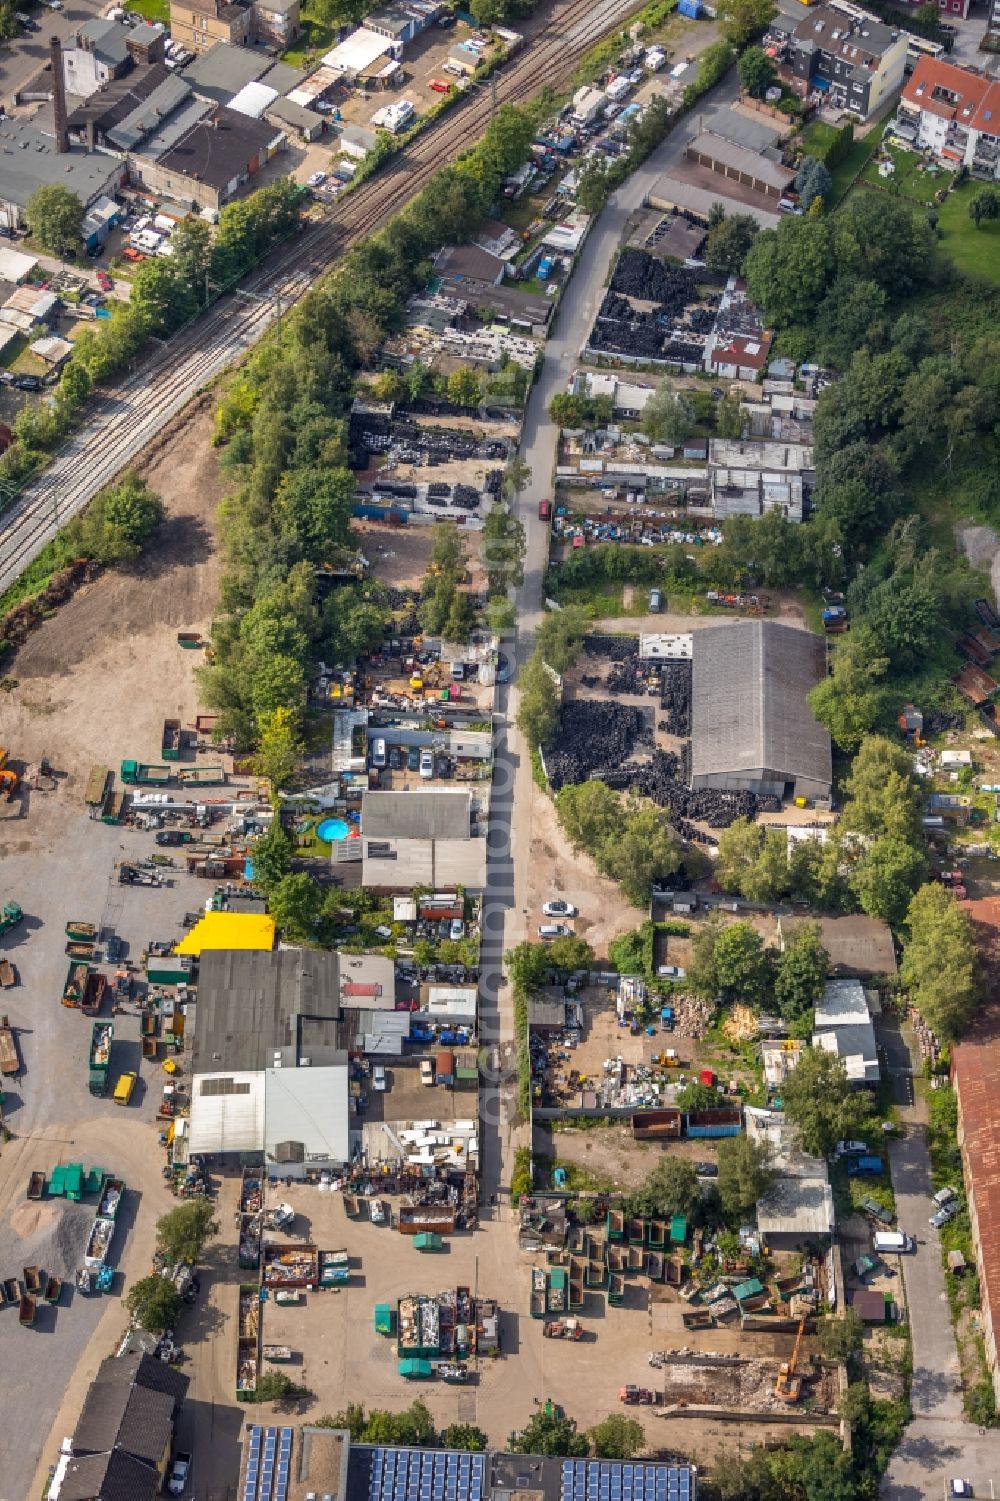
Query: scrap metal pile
x: 378, y: 432
x: 464, y: 496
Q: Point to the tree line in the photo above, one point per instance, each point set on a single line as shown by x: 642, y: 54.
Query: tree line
x: 282, y: 424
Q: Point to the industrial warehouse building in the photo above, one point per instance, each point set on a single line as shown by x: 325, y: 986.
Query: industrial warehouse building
x: 752, y: 728
x: 269, y: 1062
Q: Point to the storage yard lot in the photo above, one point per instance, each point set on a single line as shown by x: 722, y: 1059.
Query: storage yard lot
x: 338, y: 1355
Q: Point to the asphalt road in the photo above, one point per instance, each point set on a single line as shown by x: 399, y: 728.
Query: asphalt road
x: 938, y: 1445
x: 22, y: 59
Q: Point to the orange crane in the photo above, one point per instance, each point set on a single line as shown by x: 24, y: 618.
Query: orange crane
x: 789, y: 1384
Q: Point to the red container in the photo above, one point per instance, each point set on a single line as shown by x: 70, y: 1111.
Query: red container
x: 707, y: 1077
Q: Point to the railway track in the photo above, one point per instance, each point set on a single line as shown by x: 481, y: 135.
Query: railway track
x: 133, y: 409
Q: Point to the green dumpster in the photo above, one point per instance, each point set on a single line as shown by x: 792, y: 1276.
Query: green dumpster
x: 416, y: 1370
x: 428, y: 1241
x: 383, y: 1318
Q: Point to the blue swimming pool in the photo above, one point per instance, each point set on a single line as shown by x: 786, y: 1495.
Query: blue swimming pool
x: 333, y: 829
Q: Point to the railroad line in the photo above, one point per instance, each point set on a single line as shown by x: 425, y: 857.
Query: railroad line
x: 133, y: 409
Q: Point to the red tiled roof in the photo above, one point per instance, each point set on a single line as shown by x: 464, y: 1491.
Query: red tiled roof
x: 750, y: 353
x: 976, y: 101
x: 975, y: 1072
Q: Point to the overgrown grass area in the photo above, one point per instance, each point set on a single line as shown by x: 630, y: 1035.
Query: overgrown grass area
x: 150, y: 10
x: 850, y: 1193
x: 315, y: 39
x: 55, y: 555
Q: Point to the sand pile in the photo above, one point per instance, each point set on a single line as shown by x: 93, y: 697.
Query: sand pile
x: 51, y: 1235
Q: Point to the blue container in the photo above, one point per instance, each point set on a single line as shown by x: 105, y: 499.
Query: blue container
x: 689, y: 8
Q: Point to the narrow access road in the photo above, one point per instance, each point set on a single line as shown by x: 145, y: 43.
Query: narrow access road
x: 506, y: 919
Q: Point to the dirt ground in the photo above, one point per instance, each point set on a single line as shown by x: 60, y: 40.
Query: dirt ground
x: 339, y: 1357
x: 558, y: 871
x: 400, y: 556
x: 83, y: 679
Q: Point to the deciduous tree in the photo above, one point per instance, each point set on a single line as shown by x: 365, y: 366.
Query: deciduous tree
x: 668, y: 416
x: 745, y: 1174
x: 820, y: 1102
x: 154, y: 1303
x: 801, y: 973
x: 741, y: 963
x: 617, y: 1437
x: 941, y: 967
x: 671, y: 1188
x: 55, y: 217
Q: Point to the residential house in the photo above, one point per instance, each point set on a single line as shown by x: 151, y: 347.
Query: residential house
x: 103, y: 50
x: 402, y: 22
x: 199, y: 24
x: 739, y: 357
x: 276, y: 23
x: 426, y: 838
x: 851, y: 62
x: 954, y: 113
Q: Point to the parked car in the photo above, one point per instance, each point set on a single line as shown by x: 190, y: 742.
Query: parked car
x: 316, y: 179
x: 426, y: 1071
x: 707, y: 1169
x: 413, y: 758
x: 173, y: 836
x: 655, y: 601
x: 942, y: 1216
x: 847, y: 1148
x: 559, y: 909
x: 27, y: 383
x: 427, y: 764
x: 378, y: 1079
x: 457, y: 929
x: 551, y: 930
x: 378, y: 754
x: 944, y: 1196
x: 503, y: 668
x: 180, y: 1473
x: 439, y: 85
x: 962, y: 1488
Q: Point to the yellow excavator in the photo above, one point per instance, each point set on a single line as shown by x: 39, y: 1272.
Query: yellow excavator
x: 788, y: 1386
x: 9, y: 779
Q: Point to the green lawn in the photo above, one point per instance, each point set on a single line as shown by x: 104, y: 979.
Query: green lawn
x: 974, y: 251
x: 151, y: 10
x: 845, y: 171
x: 316, y: 39
x: 912, y: 178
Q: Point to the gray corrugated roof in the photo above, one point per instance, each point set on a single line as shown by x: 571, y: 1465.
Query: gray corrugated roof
x: 109, y: 39
x: 416, y: 815
x: 254, y: 1004
x: 113, y: 1477
x: 131, y: 1418
x: 150, y: 114
x: 750, y: 710
x: 295, y: 115
x: 224, y: 69
x: 740, y: 158
x: 173, y: 130
x: 284, y: 77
